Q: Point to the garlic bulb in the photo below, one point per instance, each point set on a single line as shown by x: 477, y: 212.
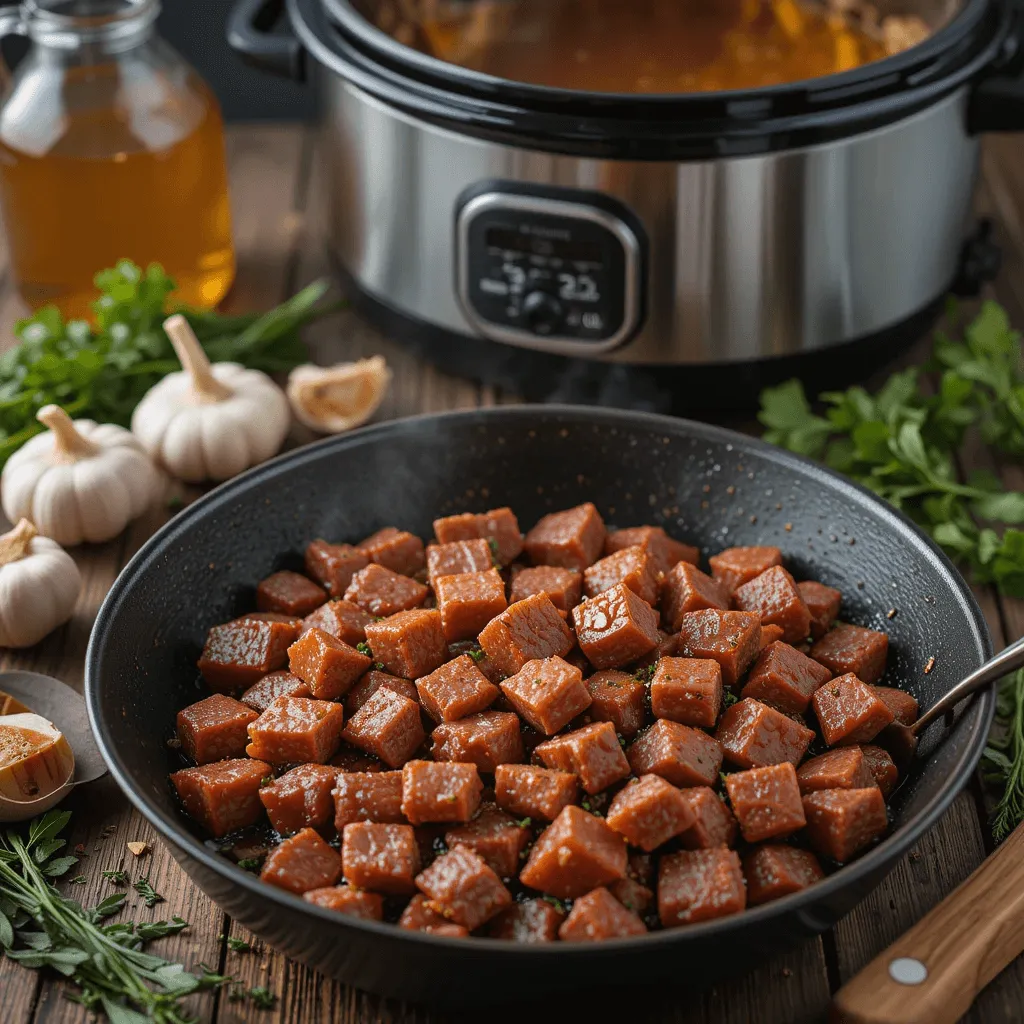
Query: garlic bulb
x: 336, y: 398
x: 210, y: 422
x: 36, y: 766
x: 39, y: 585
x: 80, y: 481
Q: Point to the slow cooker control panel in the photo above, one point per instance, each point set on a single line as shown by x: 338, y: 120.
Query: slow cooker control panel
x: 549, y: 269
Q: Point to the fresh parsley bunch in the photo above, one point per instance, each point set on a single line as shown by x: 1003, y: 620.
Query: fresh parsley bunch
x: 902, y: 443
x: 41, y: 928
x: 101, y: 370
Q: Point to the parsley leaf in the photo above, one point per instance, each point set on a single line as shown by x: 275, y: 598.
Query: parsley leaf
x: 117, y: 877
x: 147, y: 892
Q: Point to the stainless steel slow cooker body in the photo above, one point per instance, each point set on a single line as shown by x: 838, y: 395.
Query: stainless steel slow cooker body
x: 715, y: 229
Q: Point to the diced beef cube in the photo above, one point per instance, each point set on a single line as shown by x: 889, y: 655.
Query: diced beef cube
x: 238, y: 654
x: 440, y: 791
x: 214, y: 728
x: 842, y: 768
x: 456, y: 689
x: 773, y: 871
x: 263, y: 693
x: 665, y: 551
x: 368, y: 796
x: 290, y: 593
x: 615, y: 627
x: 640, y: 868
x: 300, y: 798
x: 883, y: 769
x: 486, y: 740
x: 409, y: 644
x: 754, y: 735
x: 419, y: 917
x: 548, y: 693
x: 766, y: 801
x: 699, y: 885
x: 686, y: 589
x: 574, y: 854
x: 774, y: 597
x: 853, y: 649
x: 599, y: 916
x: 469, y: 601
x: 683, y: 755
x: 531, y: 921
x: 572, y: 539
x: 381, y: 592
x: 730, y: 638
x: 458, y: 557
x: 334, y: 565
x: 371, y: 683
x: 784, y: 678
x: 346, y: 899
x: 223, y: 796
x: 495, y: 837
x: 687, y: 690
x: 823, y: 603
x: 328, y: 666
x: 633, y: 567
x: 736, y: 566
x: 903, y: 706
x: 294, y: 621
x: 529, y: 791
x: 296, y: 730
x: 850, y: 712
x: 769, y: 634
x: 649, y: 811
x: 618, y: 698
x: 499, y: 527
x: 592, y: 754
x: 387, y: 726
x: 302, y: 862
x: 526, y: 630
x: 462, y: 888
x: 632, y: 895
x: 381, y: 858
x: 343, y: 620
x: 563, y: 586
x: 713, y: 823
x: 397, y: 550
x: 842, y: 822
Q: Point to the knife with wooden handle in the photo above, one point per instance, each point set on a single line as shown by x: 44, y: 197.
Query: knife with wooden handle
x: 932, y: 973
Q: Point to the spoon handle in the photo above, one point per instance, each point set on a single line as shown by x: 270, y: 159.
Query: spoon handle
x: 1008, y: 660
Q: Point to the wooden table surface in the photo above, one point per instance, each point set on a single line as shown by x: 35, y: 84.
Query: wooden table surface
x: 276, y: 196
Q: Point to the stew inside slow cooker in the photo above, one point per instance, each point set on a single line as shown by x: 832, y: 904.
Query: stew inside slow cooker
x: 649, y: 46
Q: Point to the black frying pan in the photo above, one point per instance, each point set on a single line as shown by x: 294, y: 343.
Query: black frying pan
x: 705, y: 485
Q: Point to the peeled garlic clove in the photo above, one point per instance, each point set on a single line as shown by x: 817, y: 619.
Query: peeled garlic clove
x: 36, y: 766
x: 331, y: 399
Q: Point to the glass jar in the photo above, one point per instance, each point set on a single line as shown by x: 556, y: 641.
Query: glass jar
x: 111, y: 146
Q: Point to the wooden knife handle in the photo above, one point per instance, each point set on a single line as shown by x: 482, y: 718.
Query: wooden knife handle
x: 932, y: 973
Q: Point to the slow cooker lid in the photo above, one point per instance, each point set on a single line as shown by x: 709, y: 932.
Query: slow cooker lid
x: 653, y: 46
x: 659, y: 126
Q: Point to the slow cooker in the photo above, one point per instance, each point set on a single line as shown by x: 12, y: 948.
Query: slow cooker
x: 744, y: 230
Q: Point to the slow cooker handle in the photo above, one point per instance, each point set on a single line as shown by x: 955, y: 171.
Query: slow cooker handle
x: 997, y: 101
x: 250, y: 35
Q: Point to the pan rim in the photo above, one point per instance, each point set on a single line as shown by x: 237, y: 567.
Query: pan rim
x: 895, y: 845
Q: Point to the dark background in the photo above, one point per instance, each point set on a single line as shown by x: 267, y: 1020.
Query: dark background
x: 196, y: 29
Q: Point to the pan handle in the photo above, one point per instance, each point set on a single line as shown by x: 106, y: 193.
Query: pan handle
x: 934, y: 972
x: 250, y: 34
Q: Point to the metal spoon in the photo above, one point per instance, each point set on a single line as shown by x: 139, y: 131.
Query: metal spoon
x: 901, y: 740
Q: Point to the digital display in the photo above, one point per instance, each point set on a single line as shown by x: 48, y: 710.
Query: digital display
x: 540, y: 245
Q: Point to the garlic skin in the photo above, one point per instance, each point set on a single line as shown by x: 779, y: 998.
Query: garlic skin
x: 210, y: 422
x: 39, y: 586
x: 332, y: 399
x: 37, y: 766
x: 79, y: 481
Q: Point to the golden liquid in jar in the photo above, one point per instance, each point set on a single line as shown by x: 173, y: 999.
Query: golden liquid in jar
x: 69, y: 214
x: 637, y: 46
